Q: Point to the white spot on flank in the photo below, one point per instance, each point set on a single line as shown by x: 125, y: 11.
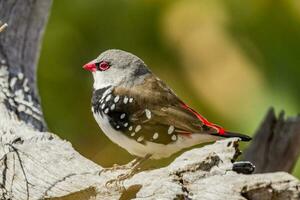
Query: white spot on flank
x: 103, y: 106
x: 107, y: 92
x: 130, y: 128
x: 113, y: 107
x: 138, y: 128
x: 29, y: 98
x: 13, y: 82
x: 132, y: 134
x: 171, y: 130
x: 21, y: 108
x: 130, y: 100
x: 26, y: 89
x: 155, y: 136
x: 126, y: 124
x: 19, y: 94
x: 118, y: 127
x: 148, y: 113
x: 116, y: 98
x: 108, y: 97
x: 28, y: 111
x: 11, y: 102
x: 174, y: 137
x: 106, y: 110
x: 140, y: 139
x: 125, y: 101
x: 122, y: 116
x: 20, y: 76
x: 25, y: 82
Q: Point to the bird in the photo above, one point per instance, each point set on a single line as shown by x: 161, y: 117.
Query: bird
x: 139, y: 112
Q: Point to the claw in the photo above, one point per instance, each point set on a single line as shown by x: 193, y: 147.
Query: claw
x: 118, y: 182
x: 115, y: 183
x: 133, y: 167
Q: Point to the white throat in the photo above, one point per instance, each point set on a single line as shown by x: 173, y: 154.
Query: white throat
x: 125, y: 79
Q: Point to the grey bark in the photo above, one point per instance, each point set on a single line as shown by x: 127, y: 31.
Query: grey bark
x: 276, y: 145
x: 19, y: 50
x: 35, y: 164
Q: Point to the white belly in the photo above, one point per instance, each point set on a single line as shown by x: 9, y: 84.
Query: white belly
x: 156, y: 150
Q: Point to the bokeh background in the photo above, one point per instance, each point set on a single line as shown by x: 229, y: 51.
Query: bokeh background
x: 229, y: 59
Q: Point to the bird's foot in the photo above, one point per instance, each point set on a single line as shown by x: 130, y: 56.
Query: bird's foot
x: 243, y: 167
x: 133, y: 166
x: 118, y: 182
x: 117, y: 167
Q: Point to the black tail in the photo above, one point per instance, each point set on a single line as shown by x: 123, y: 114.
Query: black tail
x: 230, y: 134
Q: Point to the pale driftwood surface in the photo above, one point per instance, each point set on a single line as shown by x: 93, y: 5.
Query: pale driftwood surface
x: 35, y: 164
x: 276, y: 144
x: 40, y: 165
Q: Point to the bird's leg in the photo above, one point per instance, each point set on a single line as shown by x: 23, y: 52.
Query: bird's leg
x: 122, y: 167
x: 134, y: 162
x: 135, y: 165
x: 114, y: 167
x: 138, y: 162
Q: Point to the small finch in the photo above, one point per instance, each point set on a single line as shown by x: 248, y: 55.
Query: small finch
x: 139, y: 112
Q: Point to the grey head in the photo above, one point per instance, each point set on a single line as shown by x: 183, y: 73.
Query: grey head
x: 117, y: 68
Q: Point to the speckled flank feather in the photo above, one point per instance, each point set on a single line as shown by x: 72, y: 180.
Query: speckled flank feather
x: 149, y: 112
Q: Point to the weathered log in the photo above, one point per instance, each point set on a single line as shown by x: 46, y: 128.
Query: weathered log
x: 38, y: 165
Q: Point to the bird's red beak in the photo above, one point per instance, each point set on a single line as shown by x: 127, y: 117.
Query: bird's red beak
x: 90, y: 66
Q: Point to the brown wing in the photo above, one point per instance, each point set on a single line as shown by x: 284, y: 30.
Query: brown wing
x: 152, y: 112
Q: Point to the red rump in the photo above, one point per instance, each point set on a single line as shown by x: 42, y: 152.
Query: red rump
x: 220, y: 130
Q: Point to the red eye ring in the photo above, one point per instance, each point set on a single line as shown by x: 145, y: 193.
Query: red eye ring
x: 102, y: 66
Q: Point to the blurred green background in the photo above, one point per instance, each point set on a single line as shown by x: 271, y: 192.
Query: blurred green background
x: 229, y: 59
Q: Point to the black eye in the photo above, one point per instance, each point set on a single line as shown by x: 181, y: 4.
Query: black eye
x: 103, y: 66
